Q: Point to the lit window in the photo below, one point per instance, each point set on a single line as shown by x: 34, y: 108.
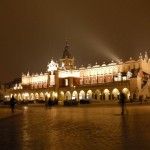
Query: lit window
x: 66, y: 82
x: 81, y: 82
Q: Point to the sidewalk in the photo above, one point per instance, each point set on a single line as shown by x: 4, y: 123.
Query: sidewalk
x: 5, y: 112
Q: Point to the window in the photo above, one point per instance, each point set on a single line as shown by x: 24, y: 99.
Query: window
x: 81, y: 82
x: 100, y: 80
x: 66, y: 82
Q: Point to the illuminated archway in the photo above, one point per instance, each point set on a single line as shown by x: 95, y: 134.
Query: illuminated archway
x: 127, y: 93
x: 26, y: 96
x: 82, y: 95
x: 89, y: 94
x: 115, y: 94
x: 15, y: 96
x: 36, y: 96
x: 106, y: 94
x: 68, y: 95
x: 19, y: 97
x: 61, y: 96
x: 97, y: 94
x: 42, y: 96
x: 54, y: 95
x: 75, y: 95
x: 23, y: 97
x: 32, y: 97
x: 47, y: 94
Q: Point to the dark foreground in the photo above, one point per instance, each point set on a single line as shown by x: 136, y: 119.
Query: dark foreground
x: 77, y: 128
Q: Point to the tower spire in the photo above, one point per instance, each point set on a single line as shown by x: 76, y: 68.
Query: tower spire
x: 66, y: 53
x: 67, y: 61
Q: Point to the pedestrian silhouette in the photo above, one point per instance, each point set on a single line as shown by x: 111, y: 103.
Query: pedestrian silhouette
x: 141, y: 99
x: 46, y: 101
x: 122, y: 101
x: 50, y: 102
x: 12, y: 104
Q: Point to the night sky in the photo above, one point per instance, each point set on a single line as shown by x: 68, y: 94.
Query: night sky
x: 34, y: 31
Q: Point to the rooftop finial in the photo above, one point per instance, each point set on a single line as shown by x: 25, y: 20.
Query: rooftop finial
x: 146, y: 57
x: 140, y: 57
x: 28, y: 74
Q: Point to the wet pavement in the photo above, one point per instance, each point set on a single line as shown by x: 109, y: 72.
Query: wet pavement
x: 77, y: 128
x: 5, y: 112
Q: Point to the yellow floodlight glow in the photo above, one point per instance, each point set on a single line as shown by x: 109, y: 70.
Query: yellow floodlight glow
x: 99, y: 46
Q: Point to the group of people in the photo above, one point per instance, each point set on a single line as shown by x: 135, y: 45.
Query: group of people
x: 49, y: 102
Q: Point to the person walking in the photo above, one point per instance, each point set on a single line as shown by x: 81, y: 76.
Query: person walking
x: 49, y: 102
x: 12, y: 104
x: 46, y: 101
x: 122, y: 101
x: 141, y: 99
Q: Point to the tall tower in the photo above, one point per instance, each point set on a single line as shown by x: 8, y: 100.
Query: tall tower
x: 67, y: 61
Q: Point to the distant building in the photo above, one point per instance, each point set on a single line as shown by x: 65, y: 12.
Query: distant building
x: 100, y: 82
x: 2, y: 92
x: 5, y: 88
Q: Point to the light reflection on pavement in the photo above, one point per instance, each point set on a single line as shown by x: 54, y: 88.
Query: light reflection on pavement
x: 77, y: 128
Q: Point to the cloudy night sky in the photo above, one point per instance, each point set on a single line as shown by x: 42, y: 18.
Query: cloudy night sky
x: 34, y: 31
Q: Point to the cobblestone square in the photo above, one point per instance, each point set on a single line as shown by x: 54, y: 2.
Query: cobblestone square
x: 90, y: 127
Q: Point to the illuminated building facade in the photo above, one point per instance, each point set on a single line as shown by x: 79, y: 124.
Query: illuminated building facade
x: 104, y: 82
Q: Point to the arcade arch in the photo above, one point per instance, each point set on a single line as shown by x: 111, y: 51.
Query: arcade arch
x: 54, y: 95
x: 82, y: 95
x: 32, y: 97
x: 115, y: 94
x: 47, y: 94
x: 15, y: 96
x: 106, y: 94
x: 61, y: 96
x: 19, y: 97
x: 68, y: 95
x: 97, y: 94
x: 127, y: 93
x: 89, y: 94
x: 25, y: 96
x: 42, y: 96
x: 36, y: 96
x: 75, y: 95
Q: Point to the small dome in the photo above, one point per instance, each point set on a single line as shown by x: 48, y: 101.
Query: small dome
x: 103, y: 64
